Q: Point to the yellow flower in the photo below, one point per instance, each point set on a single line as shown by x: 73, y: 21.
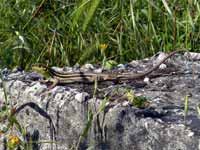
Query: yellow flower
x: 103, y: 46
x: 13, y: 140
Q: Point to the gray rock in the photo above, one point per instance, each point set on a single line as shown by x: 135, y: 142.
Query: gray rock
x: 116, y: 124
x: 87, y: 67
x: 121, y: 67
x: 81, y: 97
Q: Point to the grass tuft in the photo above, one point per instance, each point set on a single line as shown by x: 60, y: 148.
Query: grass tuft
x: 68, y: 32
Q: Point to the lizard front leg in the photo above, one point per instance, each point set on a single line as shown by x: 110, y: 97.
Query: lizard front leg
x: 51, y: 83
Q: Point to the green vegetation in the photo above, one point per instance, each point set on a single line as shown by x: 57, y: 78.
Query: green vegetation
x: 69, y: 32
x: 137, y: 101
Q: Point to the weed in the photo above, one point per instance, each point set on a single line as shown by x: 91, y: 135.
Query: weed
x: 137, y: 101
x: 186, y: 108
x: 198, y: 110
x: 92, y: 115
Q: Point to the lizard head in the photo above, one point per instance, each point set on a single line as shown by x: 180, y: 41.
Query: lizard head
x: 41, y: 68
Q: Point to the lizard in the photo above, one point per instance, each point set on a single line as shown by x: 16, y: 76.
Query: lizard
x: 65, y: 78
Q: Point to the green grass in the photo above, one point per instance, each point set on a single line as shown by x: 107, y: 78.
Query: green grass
x: 63, y: 33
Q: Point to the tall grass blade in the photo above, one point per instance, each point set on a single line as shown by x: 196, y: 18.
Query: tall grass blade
x: 198, y: 110
x: 186, y: 107
x: 103, y: 105
x: 88, y: 53
x: 34, y: 14
x: 167, y: 7
x: 132, y: 14
x: 86, y: 129
x: 90, y: 14
x: 190, y: 19
x: 77, y: 13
